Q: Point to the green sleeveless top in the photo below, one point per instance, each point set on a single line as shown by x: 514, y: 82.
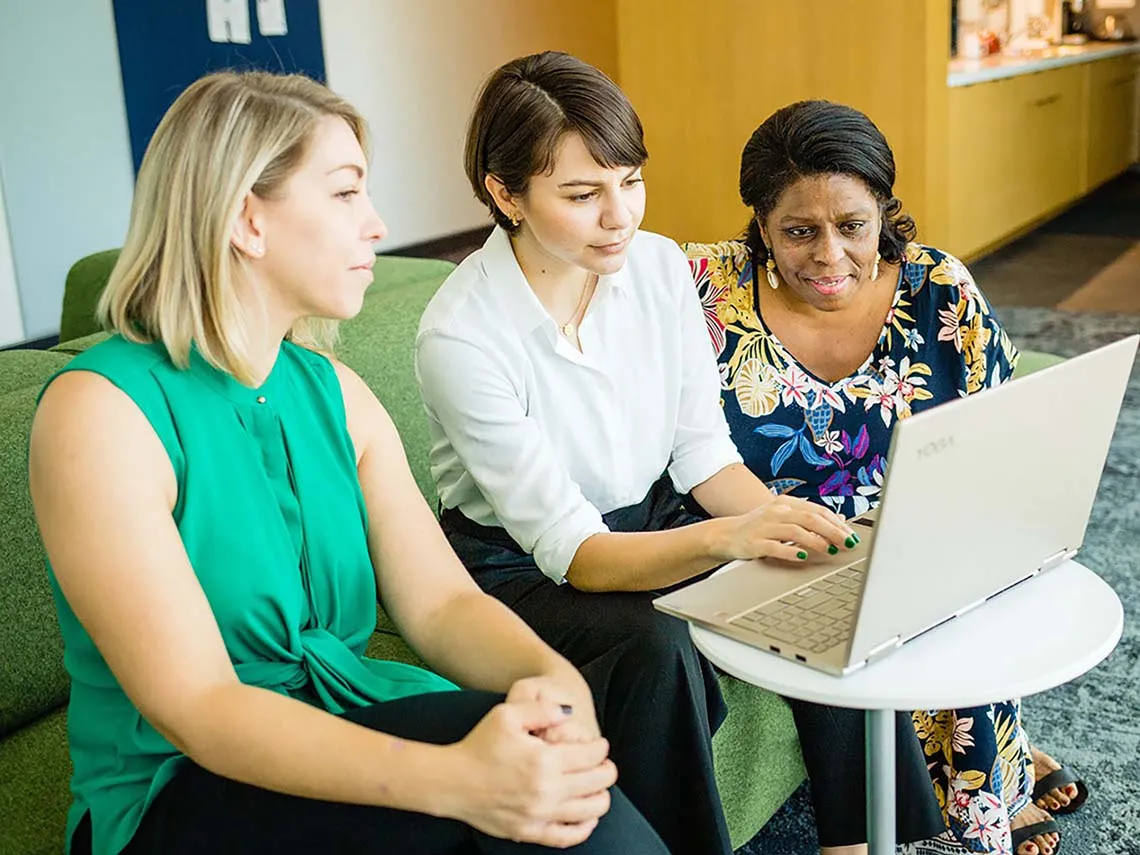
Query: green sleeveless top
x: 273, y: 519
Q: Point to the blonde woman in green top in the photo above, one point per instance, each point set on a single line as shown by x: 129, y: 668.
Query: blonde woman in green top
x: 221, y: 501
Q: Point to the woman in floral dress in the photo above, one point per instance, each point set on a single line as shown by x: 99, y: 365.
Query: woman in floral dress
x: 830, y: 324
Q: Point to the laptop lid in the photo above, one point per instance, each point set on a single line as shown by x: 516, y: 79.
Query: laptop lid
x: 986, y: 491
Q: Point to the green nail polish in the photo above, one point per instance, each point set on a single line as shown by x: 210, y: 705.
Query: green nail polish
x: 832, y: 549
x: 802, y: 556
x: 851, y: 541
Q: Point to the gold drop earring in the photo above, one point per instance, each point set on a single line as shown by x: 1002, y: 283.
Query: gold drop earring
x: 770, y: 265
x: 875, y: 269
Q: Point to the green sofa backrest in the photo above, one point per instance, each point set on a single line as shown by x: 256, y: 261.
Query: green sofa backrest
x: 85, y: 282
x: 32, y: 677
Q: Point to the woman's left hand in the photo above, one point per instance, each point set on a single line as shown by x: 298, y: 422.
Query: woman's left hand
x: 565, y: 687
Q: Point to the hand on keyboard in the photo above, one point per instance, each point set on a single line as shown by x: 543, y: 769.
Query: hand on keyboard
x: 785, y: 527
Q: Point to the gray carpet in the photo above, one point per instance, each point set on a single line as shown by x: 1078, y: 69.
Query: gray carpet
x: 1051, y: 263
x: 1092, y: 723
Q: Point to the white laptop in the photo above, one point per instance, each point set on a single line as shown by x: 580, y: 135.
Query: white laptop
x: 981, y: 494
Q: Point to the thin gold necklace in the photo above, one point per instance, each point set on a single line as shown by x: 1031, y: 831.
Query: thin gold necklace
x: 569, y: 328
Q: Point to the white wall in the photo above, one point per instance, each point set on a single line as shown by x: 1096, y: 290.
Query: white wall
x: 413, y: 69
x: 64, y: 149
x: 411, y: 66
x: 11, y: 321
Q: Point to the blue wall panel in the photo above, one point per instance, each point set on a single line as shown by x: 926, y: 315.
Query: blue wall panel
x: 166, y: 46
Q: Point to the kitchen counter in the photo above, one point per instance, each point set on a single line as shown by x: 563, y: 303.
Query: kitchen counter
x: 964, y: 72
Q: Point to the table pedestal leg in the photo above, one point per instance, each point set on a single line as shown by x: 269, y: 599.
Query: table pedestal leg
x: 880, y: 782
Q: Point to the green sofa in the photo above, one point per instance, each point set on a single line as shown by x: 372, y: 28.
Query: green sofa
x: 757, y: 755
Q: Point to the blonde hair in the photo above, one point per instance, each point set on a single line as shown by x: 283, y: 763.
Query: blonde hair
x: 227, y: 135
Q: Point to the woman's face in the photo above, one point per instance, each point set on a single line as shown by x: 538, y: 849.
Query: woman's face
x: 316, y: 234
x: 581, y: 214
x: 824, y: 236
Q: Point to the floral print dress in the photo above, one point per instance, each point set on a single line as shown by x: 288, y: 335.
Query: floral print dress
x: 828, y: 442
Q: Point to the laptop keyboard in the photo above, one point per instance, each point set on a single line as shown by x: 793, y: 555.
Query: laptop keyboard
x: 816, y: 617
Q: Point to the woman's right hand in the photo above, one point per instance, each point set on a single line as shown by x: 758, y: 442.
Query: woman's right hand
x: 786, y: 527
x: 513, y: 784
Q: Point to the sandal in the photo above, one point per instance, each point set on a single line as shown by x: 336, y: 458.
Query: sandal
x: 1057, y: 779
x: 1049, y: 826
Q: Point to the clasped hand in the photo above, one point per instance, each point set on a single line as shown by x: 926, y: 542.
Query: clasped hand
x: 539, y: 768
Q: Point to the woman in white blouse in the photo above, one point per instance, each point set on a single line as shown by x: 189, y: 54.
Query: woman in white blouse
x: 573, y: 398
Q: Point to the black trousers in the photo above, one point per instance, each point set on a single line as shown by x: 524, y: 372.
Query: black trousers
x: 659, y: 703
x: 201, y: 812
x: 657, y: 698
x: 832, y: 742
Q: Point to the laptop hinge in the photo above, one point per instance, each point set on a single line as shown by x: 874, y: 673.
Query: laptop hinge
x: 883, y: 649
x: 1057, y: 558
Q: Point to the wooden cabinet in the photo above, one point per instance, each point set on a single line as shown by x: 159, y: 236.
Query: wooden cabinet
x: 1112, y: 117
x: 980, y: 192
x: 1023, y: 147
x: 1047, y: 142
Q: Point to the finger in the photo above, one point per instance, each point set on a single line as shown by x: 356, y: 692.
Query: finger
x: 811, y: 517
x: 532, y: 716
x: 792, y: 552
x: 796, y: 535
x: 571, y: 731
x: 557, y: 735
x: 558, y: 835
x: 829, y: 526
x: 588, y: 782
x: 583, y: 809
x: 580, y: 756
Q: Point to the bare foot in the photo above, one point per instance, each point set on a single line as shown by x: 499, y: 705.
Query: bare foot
x: 1058, y: 797
x: 1042, y: 844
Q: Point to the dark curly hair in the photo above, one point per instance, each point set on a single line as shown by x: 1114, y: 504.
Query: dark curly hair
x: 820, y: 138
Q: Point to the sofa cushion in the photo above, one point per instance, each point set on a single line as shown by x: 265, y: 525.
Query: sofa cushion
x: 32, y: 677
x: 756, y: 754
x: 22, y: 368
x: 34, y: 772
x: 1032, y: 360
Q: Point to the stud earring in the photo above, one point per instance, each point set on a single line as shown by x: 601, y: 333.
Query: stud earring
x: 514, y: 218
x: 256, y: 249
x: 770, y: 265
x: 875, y: 269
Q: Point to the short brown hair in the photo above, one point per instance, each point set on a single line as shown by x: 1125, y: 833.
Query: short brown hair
x: 525, y: 109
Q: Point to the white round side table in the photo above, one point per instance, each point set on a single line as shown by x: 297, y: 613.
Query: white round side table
x: 1085, y: 623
